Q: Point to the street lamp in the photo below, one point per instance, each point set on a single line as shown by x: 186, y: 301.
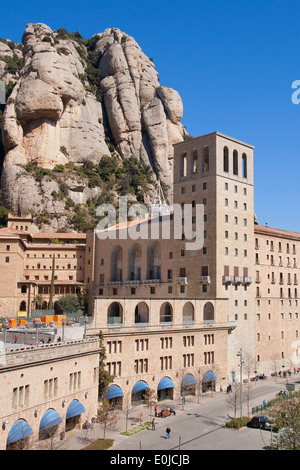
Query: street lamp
x: 85, y: 325
x: 5, y: 326
x: 37, y: 334
x: 240, y: 354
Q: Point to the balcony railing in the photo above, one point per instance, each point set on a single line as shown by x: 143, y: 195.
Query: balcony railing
x: 203, y: 279
x: 150, y: 281
x: 181, y: 280
x: 228, y: 279
x: 132, y: 282
x: 238, y: 280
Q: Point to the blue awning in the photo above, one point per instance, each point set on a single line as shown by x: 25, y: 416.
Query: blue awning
x: 188, y: 379
x: 50, y: 418
x: 18, y: 431
x: 139, y: 386
x: 75, y: 409
x: 114, y: 391
x: 209, y: 376
x: 166, y: 382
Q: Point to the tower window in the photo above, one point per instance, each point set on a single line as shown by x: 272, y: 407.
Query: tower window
x: 225, y: 159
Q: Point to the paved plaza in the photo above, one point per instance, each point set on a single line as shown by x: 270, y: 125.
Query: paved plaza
x: 196, y: 426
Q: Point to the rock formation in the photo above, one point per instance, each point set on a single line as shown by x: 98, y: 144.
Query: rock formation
x: 76, y: 100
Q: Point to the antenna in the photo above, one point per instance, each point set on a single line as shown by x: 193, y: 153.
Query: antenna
x: 159, y: 205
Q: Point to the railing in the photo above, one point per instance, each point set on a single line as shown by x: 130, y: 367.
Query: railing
x: 204, y: 279
x: 228, y: 279
x: 114, y: 321
x: 181, y: 280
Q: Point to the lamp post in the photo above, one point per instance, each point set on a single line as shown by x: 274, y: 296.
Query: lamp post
x: 240, y: 354
x: 6, y: 323
x: 85, y: 325
x: 37, y: 334
x: 63, y: 330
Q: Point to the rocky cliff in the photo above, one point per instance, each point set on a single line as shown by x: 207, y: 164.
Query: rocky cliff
x: 73, y: 101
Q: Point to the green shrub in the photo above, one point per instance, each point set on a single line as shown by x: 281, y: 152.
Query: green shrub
x: 238, y: 422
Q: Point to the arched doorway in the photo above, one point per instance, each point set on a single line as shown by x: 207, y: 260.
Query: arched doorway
x: 138, y: 392
x: 18, y: 436
x: 115, y: 396
x: 165, y: 389
x: 188, y: 385
x: 74, y: 412
x: 209, y: 381
x: 49, y: 424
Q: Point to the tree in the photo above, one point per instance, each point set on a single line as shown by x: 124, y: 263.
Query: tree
x: 3, y: 216
x: 68, y: 304
x: 38, y: 301
x: 105, y: 379
x: 107, y: 415
x: 233, y: 399
x: 150, y: 399
x: 287, y: 417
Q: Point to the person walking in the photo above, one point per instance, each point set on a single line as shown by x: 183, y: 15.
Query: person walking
x: 168, y: 431
x: 153, y: 425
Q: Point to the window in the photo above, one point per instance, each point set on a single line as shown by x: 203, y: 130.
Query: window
x: 205, y: 160
x: 225, y: 160
x: 183, y: 169
x: 244, y: 165
x: 20, y: 397
x: 235, y: 163
x: 50, y: 388
x: 195, y: 161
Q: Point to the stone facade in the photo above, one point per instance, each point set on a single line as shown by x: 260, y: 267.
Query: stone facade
x: 26, y: 267
x: 200, y: 301
x: 277, y: 303
x: 51, y: 377
x: 174, y: 316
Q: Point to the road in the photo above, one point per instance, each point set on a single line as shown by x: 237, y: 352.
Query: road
x: 201, y: 426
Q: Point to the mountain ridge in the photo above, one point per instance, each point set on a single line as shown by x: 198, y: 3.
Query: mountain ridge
x: 73, y: 101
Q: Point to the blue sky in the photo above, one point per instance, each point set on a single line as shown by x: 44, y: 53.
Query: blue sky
x: 232, y: 62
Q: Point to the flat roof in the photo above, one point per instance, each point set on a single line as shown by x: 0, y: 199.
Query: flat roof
x: 276, y: 232
x: 216, y: 133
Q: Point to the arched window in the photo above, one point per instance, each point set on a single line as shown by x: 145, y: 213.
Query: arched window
x: 208, y: 312
x: 134, y: 262
x: 235, y: 163
x: 166, y: 313
x: 244, y: 165
x: 188, y: 313
x: 225, y: 159
x: 183, y: 166
x: 141, y: 313
x: 115, y: 314
x: 154, y: 261
x: 23, y: 306
x: 195, y: 161
x: 116, y: 264
x: 205, y: 159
